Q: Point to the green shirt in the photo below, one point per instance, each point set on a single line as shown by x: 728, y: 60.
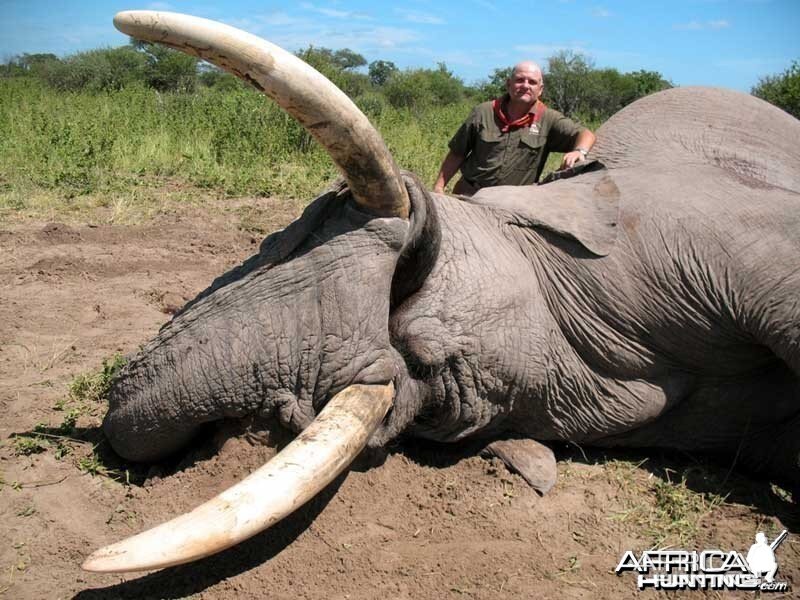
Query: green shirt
x: 513, y: 158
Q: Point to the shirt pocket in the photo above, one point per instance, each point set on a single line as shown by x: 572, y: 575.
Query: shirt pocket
x: 487, y: 148
x: 529, y: 149
x: 532, y: 142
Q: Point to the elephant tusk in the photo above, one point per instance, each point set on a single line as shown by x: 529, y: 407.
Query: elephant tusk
x: 323, y: 109
x: 296, y: 474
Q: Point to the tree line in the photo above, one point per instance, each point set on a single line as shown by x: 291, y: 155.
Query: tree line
x: 573, y: 85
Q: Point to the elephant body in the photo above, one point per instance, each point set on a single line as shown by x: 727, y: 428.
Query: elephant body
x: 674, y: 324
x: 653, y: 302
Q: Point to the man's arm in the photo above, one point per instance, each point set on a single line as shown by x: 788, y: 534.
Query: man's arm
x: 450, y: 165
x: 585, y: 142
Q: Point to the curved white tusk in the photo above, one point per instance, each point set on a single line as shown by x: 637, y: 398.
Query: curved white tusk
x: 303, y: 468
x: 322, y: 108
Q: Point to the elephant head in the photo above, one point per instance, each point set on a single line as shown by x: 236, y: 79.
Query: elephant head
x: 299, y: 331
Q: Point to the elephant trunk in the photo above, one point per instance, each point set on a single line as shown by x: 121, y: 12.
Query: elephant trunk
x: 200, y: 368
x: 283, y: 484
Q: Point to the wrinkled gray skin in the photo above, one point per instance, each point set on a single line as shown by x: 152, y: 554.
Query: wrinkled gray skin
x: 655, y: 303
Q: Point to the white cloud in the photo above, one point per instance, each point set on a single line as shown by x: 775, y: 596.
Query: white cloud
x: 545, y: 50
x: 601, y: 13
x: 419, y: 17
x: 690, y: 26
x: 486, y: 4
x: 363, y: 39
x: 335, y: 13
x: 279, y: 19
x: 699, y: 26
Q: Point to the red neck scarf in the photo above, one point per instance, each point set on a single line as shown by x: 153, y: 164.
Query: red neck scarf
x: 529, y: 118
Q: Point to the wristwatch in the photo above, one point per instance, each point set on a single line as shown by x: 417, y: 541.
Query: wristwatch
x: 583, y: 151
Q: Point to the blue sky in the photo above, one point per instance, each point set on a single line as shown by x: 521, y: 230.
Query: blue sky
x: 729, y: 43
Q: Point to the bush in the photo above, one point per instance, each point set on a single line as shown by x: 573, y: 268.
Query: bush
x: 419, y: 88
x: 214, y: 77
x: 380, y: 71
x: 573, y: 86
x: 371, y: 104
x: 167, y: 70
x: 782, y: 90
x: 96, y: 70
x: 494, y: 87
x: 567, y: 82
x: 27, y: 64
x: 337, y: 66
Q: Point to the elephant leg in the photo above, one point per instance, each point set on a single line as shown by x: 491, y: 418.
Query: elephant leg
x: 774, y: 317
x: 775, y: 451
x: 753, y: 422
x: 535, y: 462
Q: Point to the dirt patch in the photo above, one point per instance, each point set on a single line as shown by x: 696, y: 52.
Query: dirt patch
x: 424, y: 521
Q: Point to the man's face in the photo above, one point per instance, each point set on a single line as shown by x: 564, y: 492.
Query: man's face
x: 525, y: 85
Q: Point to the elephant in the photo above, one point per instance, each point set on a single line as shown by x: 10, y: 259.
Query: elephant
x: 651, y: 301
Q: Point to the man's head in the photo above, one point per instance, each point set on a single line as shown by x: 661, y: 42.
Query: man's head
x: 525, y: 83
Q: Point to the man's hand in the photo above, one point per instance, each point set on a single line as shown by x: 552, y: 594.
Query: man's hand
x: 450, y: 165
x: 570, y: 158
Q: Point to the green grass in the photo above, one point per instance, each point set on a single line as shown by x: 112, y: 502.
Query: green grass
x: 85, y: 398
x: 63, y: 153
x: 93, y: 386
x: 25, y: 445
x: 235, y: 142
x: 665, y: 510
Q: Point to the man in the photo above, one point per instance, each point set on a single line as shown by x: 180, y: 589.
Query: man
x: 506, y: 141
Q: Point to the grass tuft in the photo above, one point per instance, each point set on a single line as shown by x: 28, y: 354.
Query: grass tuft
x: 93, y: 387
x: 26, y: 445
x: 673, y: 511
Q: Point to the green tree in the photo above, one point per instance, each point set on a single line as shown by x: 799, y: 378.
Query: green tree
x: 168, y: 70
x: 214, y: 77
x: 782, y: 90
x: 419, y: 88
x: 380, y: 71
x: 338, y: 67
x: 28, y: 64
x: 649, y: 82
x: 95, y: 70
x: 495, y: 86
x: 575, y: 87
x: 566, y: 83
x: 347, y: 60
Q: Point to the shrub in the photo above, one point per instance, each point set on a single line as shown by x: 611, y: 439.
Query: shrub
x: 96, y: 70
x: 167, y: 70
x: 380, y: 71
x: 782, y: 90
x: 418, y: 88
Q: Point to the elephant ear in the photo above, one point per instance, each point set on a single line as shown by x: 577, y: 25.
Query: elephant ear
x: 584, y: 208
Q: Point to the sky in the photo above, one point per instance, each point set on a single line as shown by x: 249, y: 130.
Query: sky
x: 728, y: 43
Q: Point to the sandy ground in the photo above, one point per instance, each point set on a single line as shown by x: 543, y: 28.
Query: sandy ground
x: 425, y: 522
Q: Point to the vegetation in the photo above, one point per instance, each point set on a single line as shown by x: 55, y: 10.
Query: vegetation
x: 672, y: 512
x: 115, y: 121
x: 92, y: 387
x: 575, y: 87
x: 84, y: 402
x: 782, y: 90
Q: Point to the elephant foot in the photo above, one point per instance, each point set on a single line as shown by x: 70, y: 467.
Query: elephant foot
x: 530, y: 459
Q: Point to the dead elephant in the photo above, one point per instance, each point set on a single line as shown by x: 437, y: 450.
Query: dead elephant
x: 654, y: 302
